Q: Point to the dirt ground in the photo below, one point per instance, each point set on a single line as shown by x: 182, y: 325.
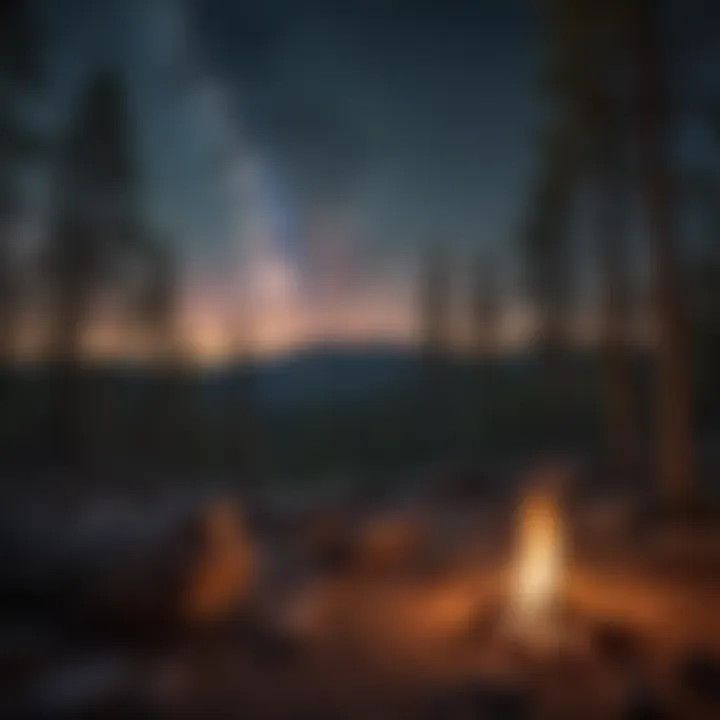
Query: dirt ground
x: 401, y: 629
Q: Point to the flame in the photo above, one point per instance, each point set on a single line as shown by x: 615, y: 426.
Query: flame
x: 538, y: 566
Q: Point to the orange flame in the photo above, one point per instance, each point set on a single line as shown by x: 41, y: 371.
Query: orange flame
x: 538, y: 567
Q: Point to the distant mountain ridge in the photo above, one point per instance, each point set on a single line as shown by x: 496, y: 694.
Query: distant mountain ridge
x: 321, y: 372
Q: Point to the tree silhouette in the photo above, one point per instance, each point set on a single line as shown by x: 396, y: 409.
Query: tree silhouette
x: 604, y: 113
x: 547, y: 242
x: 587, y: 145
x: 588, y: 41
x: 20, y: 76
x: 434, y: 300
x: 704, y: 195
x: 95, y: 225
x: 154, y: 309
x: 96, y: 214
x: 550, y: 273
x: 153, y: 297
x: 485, y: 309
x: 654, y: 135
x: 20, y: 50
x: 485, y: 305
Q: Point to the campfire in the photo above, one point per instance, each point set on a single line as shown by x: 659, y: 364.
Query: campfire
x: 536, y: 576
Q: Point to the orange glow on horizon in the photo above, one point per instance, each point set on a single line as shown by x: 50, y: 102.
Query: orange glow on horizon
x: 213, y: 329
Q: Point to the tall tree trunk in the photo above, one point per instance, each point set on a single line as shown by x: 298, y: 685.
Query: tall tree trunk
x: 69, y: 399
x: 486, y: 307
x: 551, y: 271
x: 621, y: 420
x: 435, y: 317
x: 654, y: 142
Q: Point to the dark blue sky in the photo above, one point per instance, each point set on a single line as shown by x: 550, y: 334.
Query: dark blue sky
x: 332, y: 136
x: 419, y: 118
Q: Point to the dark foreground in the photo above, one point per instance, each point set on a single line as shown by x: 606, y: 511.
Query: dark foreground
x: 393, y: 614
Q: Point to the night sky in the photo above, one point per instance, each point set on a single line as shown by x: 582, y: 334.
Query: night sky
x: 302, y: 153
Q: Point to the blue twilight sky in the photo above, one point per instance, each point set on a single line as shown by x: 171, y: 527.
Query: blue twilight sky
x: 319, y: 145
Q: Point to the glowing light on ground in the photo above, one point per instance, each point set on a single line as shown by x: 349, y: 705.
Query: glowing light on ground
x: 538, y: 566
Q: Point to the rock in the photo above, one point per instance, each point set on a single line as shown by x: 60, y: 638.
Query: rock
x: 271, y: 645
x: 699, y: 674
x: 328, y: 542
x: 221, y: 571
x: 633, y: 695
x: 78, y: 690
x: 509, y: 703
x: 616, y: 644
x: 489, y: 699
x: 25, y: 649
x: 643, y: 707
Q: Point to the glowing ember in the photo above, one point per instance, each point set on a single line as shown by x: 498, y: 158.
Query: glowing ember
x: 538, y: 567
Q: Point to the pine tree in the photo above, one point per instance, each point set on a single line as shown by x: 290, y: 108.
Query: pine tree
x: 20, y: 144
x: 95, y: 223
x: 654, y: 135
